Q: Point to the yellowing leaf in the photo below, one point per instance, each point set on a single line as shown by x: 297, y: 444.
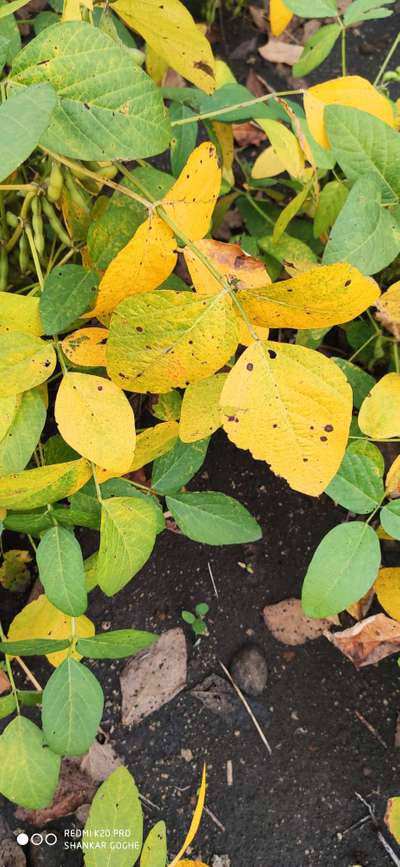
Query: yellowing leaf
x: 280, y: 16
x: 351, y: 90
x: 154, y: 442
x: 201, y: 414
x: 223, y: 74
x: 267, y: 164
x: 285, y: 145
x: 389, y: 309
x: 195, y: 824
x: 191, y: 200
x: 33, y: 488
x: 392, y: 483
x: 379, y: 415
x: 25, y: 361
x: 238, y: 270
x: 96, y: 419
x: 40, y: 619
x: 246, y: 336
x: 224, y: 134
x: 165, y: 339
x: 186, y: 863
x: 392, y: 817
x: 86, y: 347
x: 290, y: 406
x: 387, y: 588
x: 322, y: 296
x: 142, y: 265
x: 156, y: 66
x: 20, y: 313
x: 169, y: 29
x: 8, y: 409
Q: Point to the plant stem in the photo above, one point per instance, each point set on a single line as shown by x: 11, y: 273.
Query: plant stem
x: 229, y: 108
x: 60, y: 356
x: 29, y: 674
x: 9, y: 671
x: 97, y: 486
x: 396, y: 357
x: 387, y: 59
x: 343, y: 51
x: 99, y: 178
x: 360, y: 348
x: 35, y: 257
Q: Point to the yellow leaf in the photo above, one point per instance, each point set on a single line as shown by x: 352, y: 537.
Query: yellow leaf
x: 379, y: 416
x: 3, y: 513
x: 195, y: 824
x: 20, y: 313
x: 154, y: 442
x: 168, y: 339
x: 322, y: 296
x: 267, y: 164
x: 40, y: 619
x: 351, y: 90
x: 392, y: 817
x: 169, y: 29
x: 86, y: 347
x: 156, y: 66
x: 191, y: 200
x: 382, y: 534
x: 25, y: 361
x: 201, y: 414
x: 290, y: 406
x: 8, y: 409
x: 392, y: 484
x: 280, y: 16
x: 389, y: 309
x: 285, y: 145
x: 96, y: 419
x: 187, y: 863
x: 34, y: 488
x: 387, y: 588
x: 142, y: 265
x: 224, y: 134
x: 245, y: 335
x: 237, y: 269
x: 223, y: 74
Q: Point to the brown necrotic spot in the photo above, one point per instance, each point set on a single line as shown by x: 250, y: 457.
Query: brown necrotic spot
x: 272, y: 353
x: 323, y: 439
x: 249, y: 366
x: 328, y: 428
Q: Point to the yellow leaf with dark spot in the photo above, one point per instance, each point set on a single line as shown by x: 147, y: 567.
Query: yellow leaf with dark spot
x: 201, y: 413
x: 280, y: 16
x: 40, y: 619
x: 86, y: 347
x: 8, y: 409
x: 168, y: 339
x: 379, y: 415
x: 322, y: 296
x: 351, y: 90
x: 96, y: 419
x: 246, y: 336
x: 236, y: 268
x: 389, y: 309
x: 191, y: 200
x: 34, y: 488
x: 290, y: 406
x: 387, y: 588
x: 20, y: 313
x: 25, y: 361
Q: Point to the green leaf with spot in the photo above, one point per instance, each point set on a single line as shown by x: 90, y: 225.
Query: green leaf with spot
x: 116, y: 804
x: 154, y: 852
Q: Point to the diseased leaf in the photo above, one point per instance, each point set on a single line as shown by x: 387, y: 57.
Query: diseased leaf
x: 23, y: 120
x: 389, y: 309
x: 285, y: 145
x: 28, y: 768
x: 358, y: 484
x: 8, y: 409
x: 25, y: 361
x: 387, y: 588
x: 213, y: 518
x: 178, y: 466
x: 34, y: 488
x: 369, y: 641
x: 68, y: 291
x: 41, y: 619
x: 116, y: 804
x: 350, y: 90
x: 195, y: 823
x: 127, y: 537
x: 72, y: 707
x: 379, y: 416
x: 342, y: 569
x: 291, y: 407
x: 392, y: 481
x: 201, y: 413
x: 168, y: 406
x: 20, y: 313
x: 237, y: 269
x: 154, y: 442
x: 166, y: 339
x: 96, y: 419
x: 86, y: 347
x: 191, y: 200
x: 154, y: 852
x: 60, y: 564
x: 267, y: 164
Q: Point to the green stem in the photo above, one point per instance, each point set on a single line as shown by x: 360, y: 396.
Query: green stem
x: 99, y: 178
x: 9, y: 672
x: 396, y: 357
x: 35, y: 256
x: 60, y: 356
x: 343, y: 51
x: 360, y: 349
x: 219, y: 111
x: 372, y: 515
x: 387, y: 59
x: 97, y: 486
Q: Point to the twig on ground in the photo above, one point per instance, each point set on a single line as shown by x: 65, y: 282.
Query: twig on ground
x: 29, y: 674
x: 370, y: 728
x: 247, y: 706
x: 214, y: 819
x: 229, y: 772
x: 388, y: 849
x: 213, y: 580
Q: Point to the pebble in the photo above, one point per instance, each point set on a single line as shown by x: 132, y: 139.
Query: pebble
x: 249, y: 669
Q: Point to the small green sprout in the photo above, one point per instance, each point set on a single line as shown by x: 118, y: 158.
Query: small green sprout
x: 197, y: 620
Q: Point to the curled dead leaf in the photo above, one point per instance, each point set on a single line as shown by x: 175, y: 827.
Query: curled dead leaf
x: 288, y: 623
x: 368, y: 641
x: 277, y: 51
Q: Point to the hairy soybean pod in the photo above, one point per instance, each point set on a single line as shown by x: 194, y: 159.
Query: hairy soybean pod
x: 3, y: 269
x: 76, y: 196
x: 55, y: 183
x: 23, y: 254
x: 55, y: 223
x: 105, y: 169
x: 12, y: 219
x: 37, y: 225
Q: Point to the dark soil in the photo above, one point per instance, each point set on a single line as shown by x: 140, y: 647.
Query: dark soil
x: 291, y: 809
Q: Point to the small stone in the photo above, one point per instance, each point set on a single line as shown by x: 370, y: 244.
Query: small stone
x: 187, y: 755
x: 11, y: 854
x: 249, y: 670
x: 221, y: 861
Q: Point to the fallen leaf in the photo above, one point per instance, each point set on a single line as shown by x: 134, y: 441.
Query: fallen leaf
x: 74, y: 788
x: 257, y: 84
x: 4, y: 682
x: 288, y: 623
x: 217, y: 695
x: 154, y: 677
x: 368, y: 641
x: 361, y: 608
x: 259, y: 17
x: 246, y: 134
x: 392, y: 817
x: 100, y: 761
x: 280, y: 52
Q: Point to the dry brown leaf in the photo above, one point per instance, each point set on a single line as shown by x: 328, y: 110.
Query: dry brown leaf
x: 288, y: 623
x: 361, y: 608
x: 260, y: 18
x: 100, y: 762
x: 4, y: 682
x: 256, y: 84
x: 154, y: 677
x: 246, y: 134
x: 277, y: 51
x: 74, y: 788
x: 368, y: 641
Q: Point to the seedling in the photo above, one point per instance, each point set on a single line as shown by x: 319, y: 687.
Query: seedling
x: 197, y: 620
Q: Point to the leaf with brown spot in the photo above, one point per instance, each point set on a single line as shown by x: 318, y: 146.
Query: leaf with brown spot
x: 236, y: 268
x: 288, y: 623
x: 368, y: 641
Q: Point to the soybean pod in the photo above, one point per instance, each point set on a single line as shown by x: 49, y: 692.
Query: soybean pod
x: 37, y: 225
x: 55, y: 223
x: 3, y: 269
x: 55, y: 183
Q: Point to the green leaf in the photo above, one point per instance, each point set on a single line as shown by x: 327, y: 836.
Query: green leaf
x: 178, y: 466
x: 213, y: 518
x: 287, y: 215
x: 68, y: 291
x: 183, y: 139
x: 17, y: 447
x: 316, y: 49
x: 333, y: 197
x: 342, y: 570
x: 232, y: 94
x: 60, y: 563
x: 108, y: 109
x: 57, y: 451
x: 4, y: 46
x: 9, y: 30
x: 361, y: 382
x: 34, y: 522
x: 7, y: 705
x: 72, y: 708
x: 34, y: 646
x: 364, y: 145
x: 390, y: 518
x: 365, y: 233
x: 43, y: 20
x: 116, y: 644
x: 127, y: 536
x: 28, y: 768
x: 10, y: 8
x: 313, y: 8
x: 366, y: 10
x: 188, y: 617
x: 23, y: 120
x: 116, y: 804
x: 29, y: 697
x: 358, y: 484
x: 154, y: 852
